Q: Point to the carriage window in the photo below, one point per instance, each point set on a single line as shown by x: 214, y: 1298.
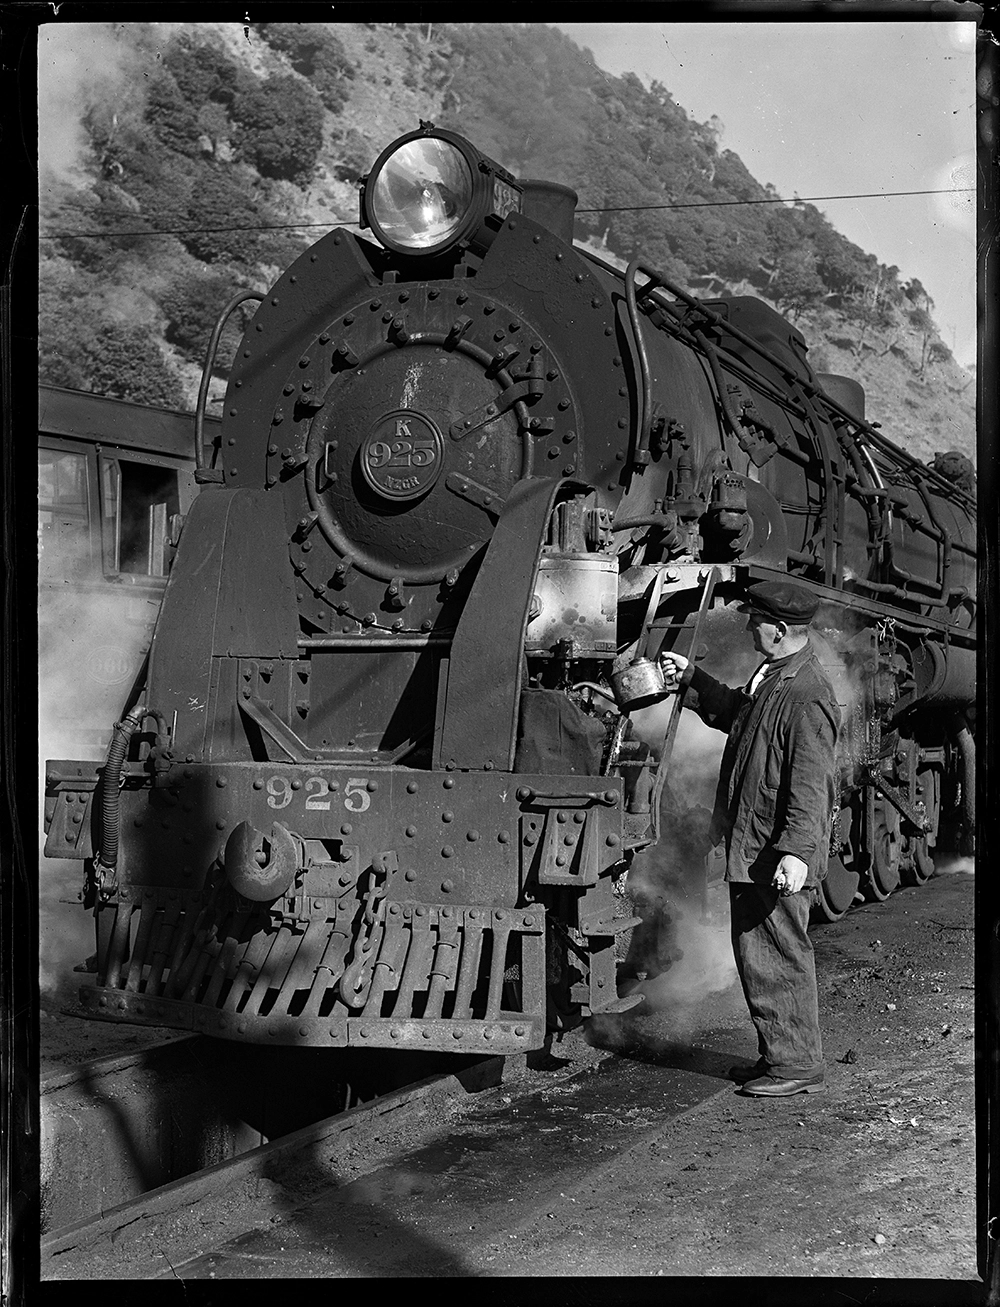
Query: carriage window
x: 63, y: 514
x: 138, y: 501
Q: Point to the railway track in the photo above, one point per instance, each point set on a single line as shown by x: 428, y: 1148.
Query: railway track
x: 387, y: 1187
x: 148, y: 1149
x: 397, y: 1146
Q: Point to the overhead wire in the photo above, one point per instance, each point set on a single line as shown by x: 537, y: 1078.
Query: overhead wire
x: 624, y: 208
x: 797, y: 199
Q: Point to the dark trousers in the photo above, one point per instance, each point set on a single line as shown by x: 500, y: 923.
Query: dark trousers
x: 774, y: 958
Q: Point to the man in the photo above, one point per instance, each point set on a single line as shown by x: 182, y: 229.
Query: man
x: 773, y: 810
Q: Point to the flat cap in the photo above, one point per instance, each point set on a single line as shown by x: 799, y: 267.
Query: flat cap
x: 781, y: 601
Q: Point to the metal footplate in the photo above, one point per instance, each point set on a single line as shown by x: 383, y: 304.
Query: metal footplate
x: 508, y: 1035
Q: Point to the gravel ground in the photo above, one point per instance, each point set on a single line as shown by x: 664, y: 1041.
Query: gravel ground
x: 874, y: 1178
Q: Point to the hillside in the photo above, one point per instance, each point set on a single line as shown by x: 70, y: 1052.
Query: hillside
x: 233, y: 144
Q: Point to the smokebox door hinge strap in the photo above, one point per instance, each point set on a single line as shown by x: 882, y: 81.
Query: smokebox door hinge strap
x: 526, y: 389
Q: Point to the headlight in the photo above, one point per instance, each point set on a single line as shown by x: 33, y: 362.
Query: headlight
x: 421, y: 195
x: 432, y: 190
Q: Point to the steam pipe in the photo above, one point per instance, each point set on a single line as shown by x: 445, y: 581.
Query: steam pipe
x: 390, y: 643
x: 880, y: 442
x: 832, y: 569
x: 732, y: 420
x: 946, y: 538
x: 899, y: 593
x: 736, y: 365
x: 644, y: 415
x: 628, y: 523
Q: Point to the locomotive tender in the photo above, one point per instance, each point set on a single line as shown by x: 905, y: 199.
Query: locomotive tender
x: 380, y: 781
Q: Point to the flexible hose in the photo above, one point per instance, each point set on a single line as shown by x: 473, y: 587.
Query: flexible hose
x: 107, y: 858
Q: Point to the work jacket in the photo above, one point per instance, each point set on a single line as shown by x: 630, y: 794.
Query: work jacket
x: 777, y: 784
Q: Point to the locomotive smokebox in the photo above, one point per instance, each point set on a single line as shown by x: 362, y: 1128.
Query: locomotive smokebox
x: 552, y: 206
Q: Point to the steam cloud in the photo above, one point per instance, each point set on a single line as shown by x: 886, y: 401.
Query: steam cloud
x: 89, y: 653
x: 682, y: 952
x: 951, y: 864
x: 79, y: 64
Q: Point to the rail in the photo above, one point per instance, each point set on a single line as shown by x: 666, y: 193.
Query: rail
x: 123, y: 1240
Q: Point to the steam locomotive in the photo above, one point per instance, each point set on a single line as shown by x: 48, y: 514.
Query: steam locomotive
x: 382, y: 777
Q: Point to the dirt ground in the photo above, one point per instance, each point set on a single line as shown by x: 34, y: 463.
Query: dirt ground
x: 876, y: 1177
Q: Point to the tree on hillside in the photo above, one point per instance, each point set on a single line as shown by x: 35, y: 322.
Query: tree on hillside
x: 924, y: 323
x: 126, y: 363
x: 204, y: 71
x: 914, y: 291
x: 500, y: 82
x: 873, y: 301
x: 793, y: 282
x: 223, y: 218
x: 840, y: 263
x: 142, y: 184
x: 192, y: 95
x: 172, y: 115
x: 317, y: 54
x: 82, y: 345
x: 191, y: 305
x: 796, y: 285
x: 281, y: 128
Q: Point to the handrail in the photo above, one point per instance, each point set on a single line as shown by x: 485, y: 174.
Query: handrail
x: 206, y: 377
x: 881, y: 442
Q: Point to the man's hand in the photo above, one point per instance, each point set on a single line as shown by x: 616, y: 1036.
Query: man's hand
x: 672, y: 665
x: 790, y: 874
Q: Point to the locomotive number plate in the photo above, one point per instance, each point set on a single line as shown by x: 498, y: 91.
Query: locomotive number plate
x: 319, y: 795
x: 506, y: 200
x: 403, y: 455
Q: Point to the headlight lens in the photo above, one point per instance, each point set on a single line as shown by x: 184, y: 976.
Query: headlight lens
x: 422, y: 194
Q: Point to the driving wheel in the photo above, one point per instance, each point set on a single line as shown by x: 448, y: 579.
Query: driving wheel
x: 918, y: 863
x: 886, y: 850
x: 836, y: 890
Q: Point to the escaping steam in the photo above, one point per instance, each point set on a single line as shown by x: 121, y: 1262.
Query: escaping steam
x: 79, y: 65
x: 682, y: 954
x: 90, y: 648
x: 951, y: 864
